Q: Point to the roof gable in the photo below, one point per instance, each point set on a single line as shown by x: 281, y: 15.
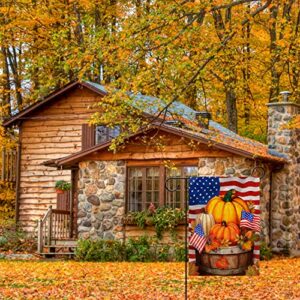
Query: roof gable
x: 220, y: 136
x: 51, y: 98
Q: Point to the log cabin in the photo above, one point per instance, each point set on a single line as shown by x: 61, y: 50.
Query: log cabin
x: 57, y: 143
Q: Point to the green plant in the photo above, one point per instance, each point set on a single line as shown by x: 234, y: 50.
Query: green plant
x: 14, y: 239
x: 62, y: 185
x: 100, y: 250
x: 166, y: 219
x: 265, y: 251
x: 163, y: 253
x: 3, y: 241
x: 140, y: 249
x: 179, y: 252
x: 162, y: 218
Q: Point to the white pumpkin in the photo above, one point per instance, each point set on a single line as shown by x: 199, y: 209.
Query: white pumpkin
x: 206, y: 220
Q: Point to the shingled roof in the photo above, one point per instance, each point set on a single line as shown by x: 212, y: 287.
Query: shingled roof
x: 216, y: 135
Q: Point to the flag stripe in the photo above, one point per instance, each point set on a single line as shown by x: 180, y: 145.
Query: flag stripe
x: 247, y: 188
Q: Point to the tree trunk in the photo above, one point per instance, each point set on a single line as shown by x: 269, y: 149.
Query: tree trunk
x: 231, y: 109
x: 5, y: 83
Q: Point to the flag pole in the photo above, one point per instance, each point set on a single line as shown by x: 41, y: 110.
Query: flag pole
x: 186, y: 227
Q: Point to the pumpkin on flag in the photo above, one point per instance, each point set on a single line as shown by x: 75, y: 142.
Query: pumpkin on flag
x: 228, y: 208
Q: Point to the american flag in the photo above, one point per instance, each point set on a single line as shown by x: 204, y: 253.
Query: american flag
x: 250, y: 221
x: 202, y: 189
x: 198, y: 238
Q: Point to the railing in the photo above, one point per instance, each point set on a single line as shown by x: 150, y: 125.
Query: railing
x: 54, y: 226
x: 8, y: 165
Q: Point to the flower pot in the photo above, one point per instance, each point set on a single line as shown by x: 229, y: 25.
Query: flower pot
x: 59, y: 191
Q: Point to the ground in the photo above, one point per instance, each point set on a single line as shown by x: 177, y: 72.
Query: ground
x: 279, y: 279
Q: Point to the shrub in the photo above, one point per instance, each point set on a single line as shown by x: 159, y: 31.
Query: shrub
x: 265, y: 251
x: 100, y: 250
x: 7, y: 201
x: 143, y: 249
x: 139, y: 249
x: 179, y: 252
x: 14, y: 239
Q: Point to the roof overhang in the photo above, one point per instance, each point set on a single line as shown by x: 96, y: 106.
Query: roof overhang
x: 73, y: 159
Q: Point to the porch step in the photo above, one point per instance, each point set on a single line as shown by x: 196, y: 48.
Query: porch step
x: 62, y: 244
x: 57, y: 253
x: 59, y: 248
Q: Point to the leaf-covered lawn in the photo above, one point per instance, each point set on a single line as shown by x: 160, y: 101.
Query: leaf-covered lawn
x: 279, y: 279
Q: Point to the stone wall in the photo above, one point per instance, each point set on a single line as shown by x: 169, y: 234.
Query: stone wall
x: 286, y: 181
x: 240, y: 166
x: 101, y: 199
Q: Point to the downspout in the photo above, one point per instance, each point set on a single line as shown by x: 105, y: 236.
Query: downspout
x: 270, y: 206
x: 18, y: 175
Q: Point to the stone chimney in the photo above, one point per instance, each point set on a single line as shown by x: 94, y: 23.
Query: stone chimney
x: 285, y: 185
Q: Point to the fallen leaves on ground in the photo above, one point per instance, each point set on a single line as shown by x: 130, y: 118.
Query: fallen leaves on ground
x: 279, y: 279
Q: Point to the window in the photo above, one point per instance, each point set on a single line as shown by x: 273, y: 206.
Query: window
x: 147, y: 185
x: 143, y: 188
x: 177, y: 198
x: 104, y: 134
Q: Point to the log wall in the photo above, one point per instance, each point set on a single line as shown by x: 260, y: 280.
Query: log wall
x: 52, y: 132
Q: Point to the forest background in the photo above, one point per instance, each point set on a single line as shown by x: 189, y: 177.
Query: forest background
x: 227, y: 57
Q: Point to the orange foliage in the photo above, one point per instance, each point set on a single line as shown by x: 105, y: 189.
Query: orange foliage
x: 279, y: 279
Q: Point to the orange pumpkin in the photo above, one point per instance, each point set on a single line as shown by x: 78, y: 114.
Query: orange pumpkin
x: 228, y: 208
x: 225, y: 232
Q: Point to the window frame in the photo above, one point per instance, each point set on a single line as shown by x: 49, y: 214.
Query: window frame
x: 162, y: 191
x: 107, y: 131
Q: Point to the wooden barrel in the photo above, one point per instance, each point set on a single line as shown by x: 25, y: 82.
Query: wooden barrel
x: 225, y: 261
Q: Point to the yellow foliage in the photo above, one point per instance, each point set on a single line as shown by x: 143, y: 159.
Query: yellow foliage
x: 278, y: 279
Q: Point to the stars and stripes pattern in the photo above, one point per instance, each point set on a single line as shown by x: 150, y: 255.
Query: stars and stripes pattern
x: 250, y: 221
x: 202, y: 189
x: 198, y: 238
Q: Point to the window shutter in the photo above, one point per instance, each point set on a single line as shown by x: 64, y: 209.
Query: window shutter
x: 88, y: 136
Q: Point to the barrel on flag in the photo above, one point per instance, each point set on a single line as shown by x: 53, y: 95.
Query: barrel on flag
x: 223, y: 256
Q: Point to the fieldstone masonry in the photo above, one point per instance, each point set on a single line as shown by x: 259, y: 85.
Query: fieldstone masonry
x: 101, y: 196
x: 286, y: 181
x: 240, y: 166
x: 101, y: 199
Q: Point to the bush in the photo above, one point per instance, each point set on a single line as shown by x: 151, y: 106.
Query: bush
x: 100, y: 250
x: 139, y: 249
x: 14, y: 239
x: 143, y: 249
x: 7, y: 201
x: 265, y: 251
x: 179, y: 252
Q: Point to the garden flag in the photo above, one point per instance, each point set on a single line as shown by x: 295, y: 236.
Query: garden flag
x: 198, y: 239
x: 224, y: 199
x: 250, y: 221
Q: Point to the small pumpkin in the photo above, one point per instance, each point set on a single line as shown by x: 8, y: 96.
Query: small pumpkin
x: 212, y: 244
x: 228, y: 208
x: 206, y: 220
x: 225, y: 232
